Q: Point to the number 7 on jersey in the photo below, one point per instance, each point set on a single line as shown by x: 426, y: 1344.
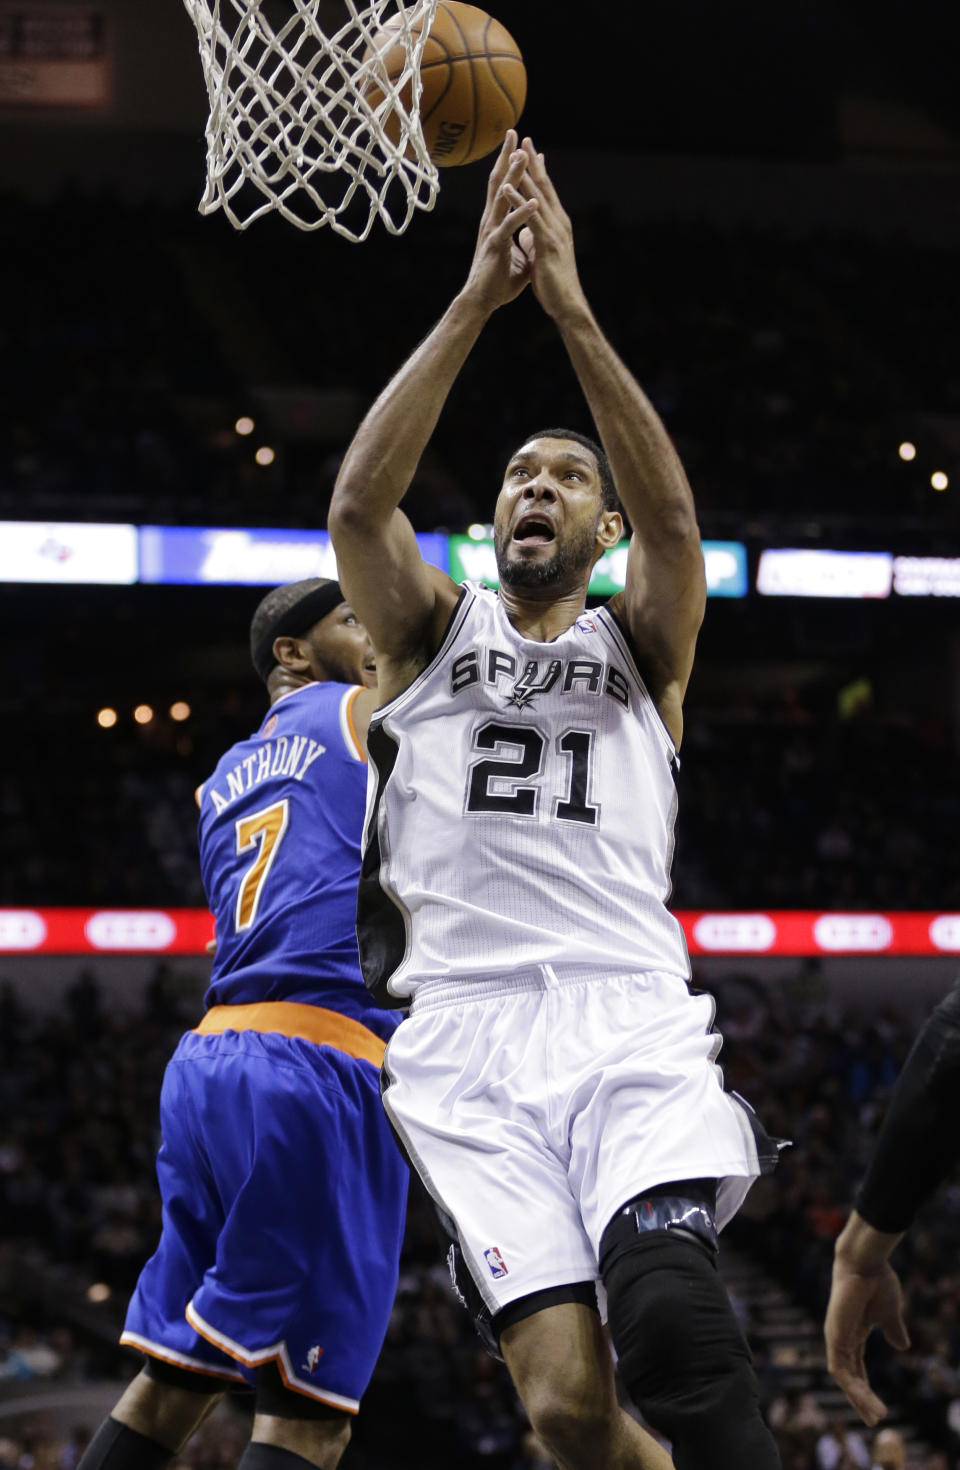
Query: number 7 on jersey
x: 264, y: 829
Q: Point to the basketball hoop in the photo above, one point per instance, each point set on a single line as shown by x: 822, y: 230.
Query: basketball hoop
x: 290, y: 126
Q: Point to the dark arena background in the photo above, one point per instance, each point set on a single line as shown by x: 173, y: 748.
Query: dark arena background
x: 767, y: 213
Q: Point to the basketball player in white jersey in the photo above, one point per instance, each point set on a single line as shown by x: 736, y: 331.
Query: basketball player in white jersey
x: 555, y: 1084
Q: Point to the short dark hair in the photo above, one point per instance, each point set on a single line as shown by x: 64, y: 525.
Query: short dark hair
x: 274, y: 616
x: 609, y: 498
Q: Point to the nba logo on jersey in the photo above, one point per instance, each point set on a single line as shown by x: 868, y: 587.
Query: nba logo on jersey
x: 498, y: 1266
x: 586, y: 625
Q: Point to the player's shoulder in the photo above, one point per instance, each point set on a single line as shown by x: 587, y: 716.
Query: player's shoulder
x: 476, y: 599
x: 614, y: 616
x: 322, y: 709
x: 313, y: 702
x: 313, y: 720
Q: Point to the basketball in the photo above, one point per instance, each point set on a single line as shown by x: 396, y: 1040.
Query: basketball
x: 474, y: 83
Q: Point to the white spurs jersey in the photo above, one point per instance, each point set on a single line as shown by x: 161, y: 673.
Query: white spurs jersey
x: 520, y: 811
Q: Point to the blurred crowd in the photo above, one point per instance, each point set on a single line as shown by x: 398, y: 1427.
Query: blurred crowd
x: 786, y: 367
x: 78, y: 1206
x: 822, y: 807
x: 787, y: 392
x: 823, y: 1079
x: 788, y: 782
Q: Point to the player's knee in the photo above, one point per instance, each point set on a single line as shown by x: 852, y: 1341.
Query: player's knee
x: 682, y: 1355
x: 282, y: 1442
x: 166, y: 1406
x: 297, y: 1422
x: 565, y: 1415
x: 292, y: 1447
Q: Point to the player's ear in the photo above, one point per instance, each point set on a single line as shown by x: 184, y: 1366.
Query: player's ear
x: 610, y: 529
x: 288, y: 653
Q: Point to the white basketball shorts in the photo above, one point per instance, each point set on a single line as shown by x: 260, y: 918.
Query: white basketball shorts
x: 534, y: 1107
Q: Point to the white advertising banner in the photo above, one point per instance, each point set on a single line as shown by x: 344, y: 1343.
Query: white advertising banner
x: 927, y: 576
x: 51, y: 551
x: 790, y: 572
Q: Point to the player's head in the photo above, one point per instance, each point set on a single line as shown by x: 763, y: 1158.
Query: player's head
x: 306, y: 632
x: 889, y: 1451
x: 557, y: 511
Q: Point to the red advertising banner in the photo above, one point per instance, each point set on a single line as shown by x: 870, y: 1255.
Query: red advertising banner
x: 806, y: 932
x: 795, y: 932
x: 104, y: 931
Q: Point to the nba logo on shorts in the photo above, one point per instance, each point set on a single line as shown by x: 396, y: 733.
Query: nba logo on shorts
x: 498, y: 1266
x: 313, y: 1359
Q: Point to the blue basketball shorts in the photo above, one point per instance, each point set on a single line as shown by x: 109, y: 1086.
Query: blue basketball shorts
x: 284, y: 1197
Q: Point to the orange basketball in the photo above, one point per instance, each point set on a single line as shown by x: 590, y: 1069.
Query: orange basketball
x: 474, y: 83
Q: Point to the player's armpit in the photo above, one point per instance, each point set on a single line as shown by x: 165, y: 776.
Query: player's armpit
x: 403, y: 601
x: 662, y: 607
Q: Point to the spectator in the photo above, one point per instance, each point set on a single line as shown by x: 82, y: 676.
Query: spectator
x: 889, y: 1451
x: 841, y: 1448
x: 71, y: 1452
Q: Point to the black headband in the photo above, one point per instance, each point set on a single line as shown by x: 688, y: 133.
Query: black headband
x: 293, y: 622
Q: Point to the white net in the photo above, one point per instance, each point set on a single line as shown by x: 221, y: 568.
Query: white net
x: 309, y: 123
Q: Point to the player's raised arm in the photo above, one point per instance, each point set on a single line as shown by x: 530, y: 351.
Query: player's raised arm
x: 403, y: 603
x: 664, y: 599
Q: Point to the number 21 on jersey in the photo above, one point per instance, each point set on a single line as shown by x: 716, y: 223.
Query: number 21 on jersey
x: 517, y: 772
x: 262, y: 832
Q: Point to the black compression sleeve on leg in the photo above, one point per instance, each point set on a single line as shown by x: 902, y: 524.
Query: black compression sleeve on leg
x: 919, y: 1141
x: 682, y: 1355
x: 271, y: 1457
x: 117, y: 1447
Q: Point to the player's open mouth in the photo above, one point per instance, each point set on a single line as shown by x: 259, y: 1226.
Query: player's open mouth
x: 534, y: 531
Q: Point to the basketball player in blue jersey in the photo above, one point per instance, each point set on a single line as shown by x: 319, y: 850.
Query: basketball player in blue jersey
x: 555, y: 1084
x: 283, y: 1190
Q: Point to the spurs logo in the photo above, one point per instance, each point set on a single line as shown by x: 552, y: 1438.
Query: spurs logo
x: 528, y: 686
x: 522, y: 698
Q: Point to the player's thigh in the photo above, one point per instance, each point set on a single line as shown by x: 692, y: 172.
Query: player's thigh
x: 302, y: 1154
x: 308, y: 1258
x: 192, y: 1220
x: 654, y: 1108
x: 193, y: 1208
x: 462, y: 1093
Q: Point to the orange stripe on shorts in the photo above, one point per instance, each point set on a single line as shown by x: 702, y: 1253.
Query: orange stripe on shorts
x: 293, y: 1018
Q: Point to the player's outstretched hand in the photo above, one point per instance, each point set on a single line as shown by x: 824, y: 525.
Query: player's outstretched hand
x: 859, y: 1301
x: 500, y: 270
x: 547, y: 241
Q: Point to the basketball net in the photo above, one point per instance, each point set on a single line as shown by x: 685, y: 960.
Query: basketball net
x: 290, y: 128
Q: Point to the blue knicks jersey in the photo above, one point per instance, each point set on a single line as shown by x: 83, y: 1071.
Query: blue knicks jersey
x: 280, y: 825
